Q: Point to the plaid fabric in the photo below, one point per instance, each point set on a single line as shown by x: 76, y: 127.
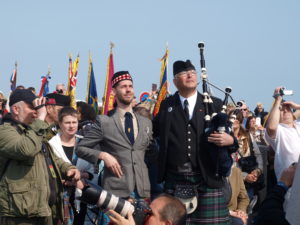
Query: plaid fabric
x: 211, y: 208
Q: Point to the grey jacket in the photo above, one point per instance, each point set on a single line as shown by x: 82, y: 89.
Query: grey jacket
x: 109, y: 134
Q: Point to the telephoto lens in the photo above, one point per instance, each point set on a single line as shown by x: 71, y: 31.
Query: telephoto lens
x: 95, y: 195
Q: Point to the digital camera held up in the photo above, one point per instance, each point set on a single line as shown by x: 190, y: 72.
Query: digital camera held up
x: 284, y: 91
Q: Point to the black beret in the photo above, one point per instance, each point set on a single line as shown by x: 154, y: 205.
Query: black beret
x: 58, y: 99
x: 21, y: 95
x: 180, y: 66
x: 119, y: 76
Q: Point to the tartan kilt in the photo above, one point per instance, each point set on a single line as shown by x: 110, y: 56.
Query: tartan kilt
x: 211, y: 208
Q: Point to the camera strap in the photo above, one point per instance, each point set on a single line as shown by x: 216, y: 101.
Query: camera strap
x: 51, y: 174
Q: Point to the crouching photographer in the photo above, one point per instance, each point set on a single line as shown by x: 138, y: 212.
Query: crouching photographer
x: 165, y: 209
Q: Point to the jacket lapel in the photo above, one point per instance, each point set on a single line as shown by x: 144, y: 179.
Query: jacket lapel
x: 199, y: 113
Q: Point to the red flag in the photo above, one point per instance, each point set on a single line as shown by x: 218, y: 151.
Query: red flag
x: 108, y: 98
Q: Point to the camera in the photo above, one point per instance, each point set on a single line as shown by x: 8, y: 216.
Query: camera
x: 284, y: 91
x: 95, y: 195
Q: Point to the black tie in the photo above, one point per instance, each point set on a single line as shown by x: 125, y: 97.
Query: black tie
x: 186, y: 110
x: 129, y: 127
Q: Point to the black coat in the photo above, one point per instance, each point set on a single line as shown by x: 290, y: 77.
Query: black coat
x: 161, y: 129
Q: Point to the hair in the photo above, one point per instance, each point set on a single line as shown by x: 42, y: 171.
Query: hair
x: 20, y: 87
x: 66, y: 111
x: 248, y: 122
x: 173, y: 210
x: 31, y: 89
x: 86, y: 111
x: 242, y: 131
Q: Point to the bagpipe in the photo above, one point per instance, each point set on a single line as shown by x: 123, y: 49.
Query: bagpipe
x: 216, y: 122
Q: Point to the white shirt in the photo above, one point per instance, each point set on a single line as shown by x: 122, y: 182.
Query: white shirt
x: 192, y: 102
x: 286, y: 145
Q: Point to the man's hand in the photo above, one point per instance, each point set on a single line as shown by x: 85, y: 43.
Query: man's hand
x: 223, y: 139
x: 251, y: 178
x: 39, y: 106
x: 287, y: 176
x: 117, y: 219
x: 111, y: 163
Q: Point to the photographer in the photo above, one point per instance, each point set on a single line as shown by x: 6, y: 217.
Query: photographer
x: 165, y: 209
x: 282, y: 132
x: 30, y: 174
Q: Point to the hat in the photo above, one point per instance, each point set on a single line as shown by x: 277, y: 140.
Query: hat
x: 21, y: 95
x: 180, y: 66
x: 119, y: 76
x: 58, y: 99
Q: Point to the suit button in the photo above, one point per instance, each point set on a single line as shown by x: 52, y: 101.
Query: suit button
x: 189, y: 147
x: 189, y: 132
x: 189, y: 154
x: 134, y: 163
x: 189, y: 139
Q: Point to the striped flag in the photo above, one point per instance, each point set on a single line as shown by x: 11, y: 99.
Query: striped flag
x: 108, y: 97
x: 163, y: 83
x: 13, y: 78
x: 45, y: 85
x: 91, y: 97
x: 72, y: 81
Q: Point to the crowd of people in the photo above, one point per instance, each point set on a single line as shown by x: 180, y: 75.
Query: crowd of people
x: 60, y: 165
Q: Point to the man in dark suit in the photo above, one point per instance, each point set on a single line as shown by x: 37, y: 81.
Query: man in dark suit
x: 184, y: 160
x: 124, y: 138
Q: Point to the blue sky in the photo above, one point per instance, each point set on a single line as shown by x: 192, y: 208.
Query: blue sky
x: 252, y: 46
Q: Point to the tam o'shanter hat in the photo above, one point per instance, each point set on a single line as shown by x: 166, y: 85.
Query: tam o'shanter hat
x: 119, y: 76
x: 180, y: 66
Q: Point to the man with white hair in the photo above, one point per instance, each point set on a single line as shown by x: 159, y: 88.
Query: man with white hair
x: 30, y: 173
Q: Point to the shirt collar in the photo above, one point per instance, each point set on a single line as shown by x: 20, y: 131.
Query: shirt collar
x: 122, y: 112
x: 191, y: 100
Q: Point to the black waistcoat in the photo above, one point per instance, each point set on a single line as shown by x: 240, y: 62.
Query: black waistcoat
x: 182, y: 141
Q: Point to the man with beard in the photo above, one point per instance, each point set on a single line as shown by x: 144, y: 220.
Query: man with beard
x: 123, y: 137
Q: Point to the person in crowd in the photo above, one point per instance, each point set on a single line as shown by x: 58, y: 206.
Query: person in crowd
x: 20, y: 87
x: 239, y: 201
x: 255, y: 130
x: 3, y: 109
x: 124, y: 137
x: 32, y: 89
x: 245, y: 111
x: 183, y: 157
x: 282, y: 133
x: 60, y: 89
x: 30, y: 173
x: 63, y: 145
x: 271, y: 211
x: 54, y: 103
x: 166, y: 210
x: 260, y: 113
x: 248, y: 148
x: 86, y: 117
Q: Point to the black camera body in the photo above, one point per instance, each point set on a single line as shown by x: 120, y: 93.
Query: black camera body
x: 95, y: 195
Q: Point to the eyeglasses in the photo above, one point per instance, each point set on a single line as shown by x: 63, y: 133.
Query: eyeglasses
x: 59, y: 91
x: 244, y: 109
x: 185, y: 73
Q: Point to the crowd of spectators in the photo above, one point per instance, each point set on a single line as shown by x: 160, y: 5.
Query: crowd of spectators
x: 50, y: 148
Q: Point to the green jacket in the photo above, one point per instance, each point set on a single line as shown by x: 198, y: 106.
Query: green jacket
x: 24, y: 186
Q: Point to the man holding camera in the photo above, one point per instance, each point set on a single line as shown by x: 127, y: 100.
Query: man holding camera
x: 165, y: 210
x: 282, y: 132
x: 30, y: 173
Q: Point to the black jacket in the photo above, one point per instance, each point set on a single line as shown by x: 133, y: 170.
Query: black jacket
x: 161, y: 129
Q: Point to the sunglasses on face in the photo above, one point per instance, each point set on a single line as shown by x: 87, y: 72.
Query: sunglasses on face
x: 59, y: 91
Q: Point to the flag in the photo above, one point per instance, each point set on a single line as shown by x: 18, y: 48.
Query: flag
x: 72, y: 75
x: 163, y: 83
x: 108, y: 97
x: 91, y: 97
x: 13, y: 78
x: 45, y: 85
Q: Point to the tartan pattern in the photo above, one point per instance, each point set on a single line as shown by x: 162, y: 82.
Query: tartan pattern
x: 211, y: 208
